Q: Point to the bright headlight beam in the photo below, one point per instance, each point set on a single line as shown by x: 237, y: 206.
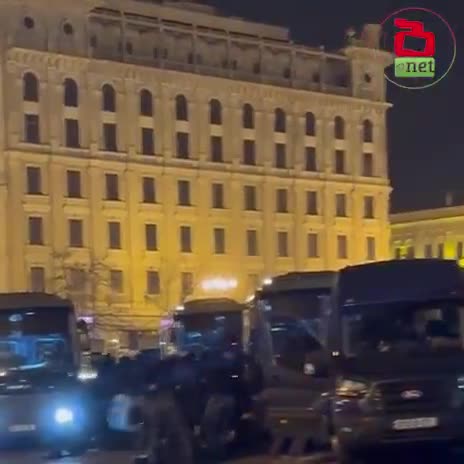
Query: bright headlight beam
x: 64, y: 416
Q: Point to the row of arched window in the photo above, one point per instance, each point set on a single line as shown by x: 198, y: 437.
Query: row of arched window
x: 71, y: 99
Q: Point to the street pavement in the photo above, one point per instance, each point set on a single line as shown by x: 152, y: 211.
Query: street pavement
x: 125, y: 458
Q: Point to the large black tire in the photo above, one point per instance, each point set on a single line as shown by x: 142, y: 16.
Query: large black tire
x: 166, y: 437
x: 219, y: 425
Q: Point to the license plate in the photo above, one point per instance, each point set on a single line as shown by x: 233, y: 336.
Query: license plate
x: 415, y: 424
x: 22, y: 428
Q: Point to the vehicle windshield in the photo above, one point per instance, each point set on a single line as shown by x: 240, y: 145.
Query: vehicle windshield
x: 403, y: 327
x: 35, y: 339
x: 199, y: 332
x: 309, y: 306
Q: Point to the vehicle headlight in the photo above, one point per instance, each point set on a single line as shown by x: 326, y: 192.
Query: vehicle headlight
x: 351, y: 388
x: 86, y: 375
x: 460, y: 382
x: 64, y: 416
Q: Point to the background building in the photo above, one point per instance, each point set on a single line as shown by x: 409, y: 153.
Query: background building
x: 429, y: 233
x: 146, y: 146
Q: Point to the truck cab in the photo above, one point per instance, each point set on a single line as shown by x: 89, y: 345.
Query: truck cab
x: 40, y: 391
x: 288, y: 339
x: 397, y: 345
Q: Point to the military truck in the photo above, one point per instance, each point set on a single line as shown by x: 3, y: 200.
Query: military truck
x: 197, y: 397
x: 41, y: 393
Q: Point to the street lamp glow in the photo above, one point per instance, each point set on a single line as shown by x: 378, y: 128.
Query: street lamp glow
x: 267, y: 281
x: 219, y: 284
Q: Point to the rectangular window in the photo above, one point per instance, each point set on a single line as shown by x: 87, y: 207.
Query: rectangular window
x: 459, y: 250
x: 117, y: 281
x: 441, y: 250
x: 148, y: 190
x: 114, y: 234
x: 313, y: 246
x: 76, y: 233
x: 36, y: 231
x: 148, y: 141
x: 310, y: 159
x: 34, y: 180
x: 281, y: 201
x: 216, y: 149
x: 183, y: 193
x: 185, y: 239
x: 428, y: 251
x: 250, y: 198
x: 339, y: 162
x: 73, y: 181
x: 112, y: 187
x: 183, y: 145
x: 368, y: 165
x: 397, y: 253
x: 342, y: 247
x: 249, y: 152
x: 217, y: 192
x: 186, y: 284
x: 369, y: 207
x: 110, y: 137
x: 252, y: 243
x: 77, y: 279
x: 71, y: 127
x: 411, y: 252
x: 153, y: 283
x: 280, y: 156
x: 37, y: 279
x: 340, y: 205
x: 219, y: 238
x: 151, y: 237
x: 282, y: 244
x: 370, y: 245
x: 31, y: 128
x: 311, y: 203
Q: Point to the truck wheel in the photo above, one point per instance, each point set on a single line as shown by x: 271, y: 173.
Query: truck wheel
x: 166, y: 435
x: 219, y: 425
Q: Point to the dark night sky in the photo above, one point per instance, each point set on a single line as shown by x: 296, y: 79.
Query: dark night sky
x: 426, y: 127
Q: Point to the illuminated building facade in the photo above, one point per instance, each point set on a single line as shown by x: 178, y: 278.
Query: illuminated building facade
x: 147, y: 146
x: 429, y: 233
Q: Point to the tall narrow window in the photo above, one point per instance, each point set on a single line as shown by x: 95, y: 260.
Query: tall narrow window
x: 181, y: 108
x: 340, y: 167
x: 71, y: 127
x: 148, y: 141
x: 71, y: 93
x: 313, y: 246
x: 340, y: 205
x: 73, y: 181
x: 310, y: 124
x: 117, y: 281
x: 153, y: 283
x: 37, y: 276
x: 183, y: 148
x: 114, y: 235
x: 249, y: 152
x: 183, y: 193
x: 148, y: 190
x: 370, y: 248
x: 368, y: 131
x: 339, y: 128
x: 250, y: 198
x: 369, y: 212
x: 216, y: 149
x: 30, y: 88
x: 31, y: 128
x: 280, y: 120
x: 248, y: 117
x: 151, y: 237
x: 219, y: 240
x: 311, y: 203
x: 342, y: 247
x: 281, y: 201
x: 368, y: 165
x: 112, y: 187
x: 108, y: 98
x: 280, y: 156
x: 215, y: 112
x: 76, y: 233
x: 110, y: 137
x: 34, y: 180
x: 282, y: 244
x: 185, y: 239
x: 146, y: 103
x: 36, y: 231
x: 310, y: 159
x: 217, y: 193
x: 252, y: 242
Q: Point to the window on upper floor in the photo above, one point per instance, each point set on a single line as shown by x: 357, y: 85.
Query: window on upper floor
x: 250, y: 200
x: 428, y: 251
x: 148, y: 190
x: 183, y: 193
x: 36, y: 235
x: 342, y: 247
x: 310, y: 124
x: 311, y: 203
x: 219, y: 240
x: 114, y: 235
x: 216, y: 149
x: 249, y: 152
x: 252, y: 242
x: 368, y: 131
x: 151, y: 237
x: 370, y: 248
x: 117, y: 281
x: 183, y: 145
x: 112, y: 187
x: 340, y: 205
x: 185, y: 239
x: 146, y: 103
x: 108, y: 98
x: 32, y: 128
x: 369, y: 210
x: 181, y: 108
x: 340, y: 167
x: 248, y: 116
x: 217, y: 194
x: 148, y: 141
x: 71, y: 93
x: 411, y: 252
x: 313, y: 245
x: 310, y: 159
x: 282, y: 244
x: 215, y: 112
x: 76, y: 233
x: 33, y: 180
x: 153, y: 283
x: 110, y: 136
x: 30, y: 88
x: 280, y: 120
x: 73, y: 181
x: 280, y: 156
x: 71, y: 129
x: 281, y: 201
x: 368, y: 165
x: 339, y: 128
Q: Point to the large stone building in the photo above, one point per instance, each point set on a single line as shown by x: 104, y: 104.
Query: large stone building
x: 146, y: 146
x: 429, y: 233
